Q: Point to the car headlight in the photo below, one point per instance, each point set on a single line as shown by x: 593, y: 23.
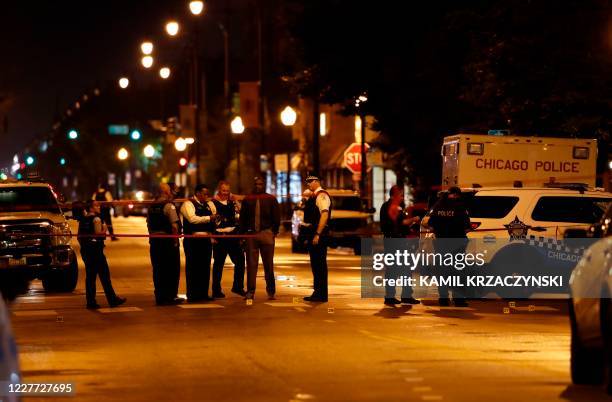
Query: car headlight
x: 61, y: 234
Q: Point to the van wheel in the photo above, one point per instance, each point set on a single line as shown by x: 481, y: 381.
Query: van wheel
x: 62, y: 280
x: 587, y: 365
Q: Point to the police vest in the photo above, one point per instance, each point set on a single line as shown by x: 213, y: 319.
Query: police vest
x: 312, y: 215
x: 200, y: 210
x: 100, y: 196
x: 157, y: 221
x: 227, y: 214
x: 86, y: 231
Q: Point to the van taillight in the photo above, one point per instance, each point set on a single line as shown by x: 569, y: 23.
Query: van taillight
x: 474, y: 225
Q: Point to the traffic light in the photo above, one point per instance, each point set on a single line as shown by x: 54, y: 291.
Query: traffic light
x: 73, y: 134
x: 30, y: 160
x: 62, y: 161
x: 135, y: 135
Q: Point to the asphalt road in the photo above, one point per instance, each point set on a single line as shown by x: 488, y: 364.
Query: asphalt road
x: 346, y: 350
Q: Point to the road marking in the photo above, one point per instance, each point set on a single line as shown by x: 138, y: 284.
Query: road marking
x: 421, y: 389
x: 330, y: 321
x: 34, y: 313
x: 211, y: 305
x: 304, y: 397
x: 408, y: 370
x: 283, y: 304
x: 413, y: 379
x: 431, y: 397
x: 119, y: 310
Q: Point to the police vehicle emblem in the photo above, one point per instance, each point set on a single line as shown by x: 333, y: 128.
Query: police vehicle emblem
x: 517, y: 229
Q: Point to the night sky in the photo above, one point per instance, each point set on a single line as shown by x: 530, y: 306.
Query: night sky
x: 52, y: 52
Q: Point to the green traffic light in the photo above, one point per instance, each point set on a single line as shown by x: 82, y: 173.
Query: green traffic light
x: 135, y: 135
x: 73, y: 134
x: 62, y: 161
x: 29, y: 160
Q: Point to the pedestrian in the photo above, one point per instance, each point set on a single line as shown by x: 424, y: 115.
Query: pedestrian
x: 317, y: 211
x: 450, y: 222
x: 104, y: 196
x: 91, y: 234
x: 227, y: 208
x: 394, y: 224
x: 198, y: 219
x: 163, y: 221
x: 260, y: 219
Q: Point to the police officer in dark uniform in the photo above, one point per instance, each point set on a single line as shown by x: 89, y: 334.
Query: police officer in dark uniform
x: 317, y: 211
x: 198, y: 219
x: 162, y: 219
x: 450, y: 222
x: 227, y: 210
x: 91, y: 239
x: 394, y: 225
x: 103, y: 195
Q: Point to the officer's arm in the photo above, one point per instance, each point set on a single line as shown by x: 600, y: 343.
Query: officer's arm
x: 188, y: 212
x: 322, y: 222
x: 275, y: 216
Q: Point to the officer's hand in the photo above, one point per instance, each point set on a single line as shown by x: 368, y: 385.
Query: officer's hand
x: 315, y: 240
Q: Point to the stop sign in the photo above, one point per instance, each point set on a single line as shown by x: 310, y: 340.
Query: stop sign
x: 352, y: 157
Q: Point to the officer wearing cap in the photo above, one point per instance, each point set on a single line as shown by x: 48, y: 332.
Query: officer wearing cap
x: 317, y: 211
x: 450, y: 222
x: 162, y: 219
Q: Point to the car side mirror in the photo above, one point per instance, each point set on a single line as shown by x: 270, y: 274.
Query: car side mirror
x: 575, y: 233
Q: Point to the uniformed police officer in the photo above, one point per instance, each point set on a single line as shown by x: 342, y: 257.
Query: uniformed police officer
x: 162, y: 219
x: 227, y: 210
x: 317, y: 211
x: 450, y: 222
x: 91, y: 239
x: 198, y: 219
x: 103, y: 195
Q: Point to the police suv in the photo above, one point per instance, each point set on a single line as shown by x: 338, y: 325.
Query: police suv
x: 34, y: 239
x: 526, y: 227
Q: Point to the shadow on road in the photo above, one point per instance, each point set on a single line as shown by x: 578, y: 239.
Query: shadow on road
x: 590, y: 393
x: 394, y: 312
x: 458, y: 313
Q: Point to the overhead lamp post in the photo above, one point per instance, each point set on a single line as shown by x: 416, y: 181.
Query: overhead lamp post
x: 146, y: 48
x: 172, y: 28
x: 164, y: 73
x: 237, y: 129
x: 123, y: 154
x: 359, y: 104
x: 196, y: 7
x: 149, y: 151
x: 288, y: 116
x: 147, y: 61
x: 124, y: 82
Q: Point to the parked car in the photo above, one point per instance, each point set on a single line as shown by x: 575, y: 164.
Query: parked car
x: 34, y: 239
x: 349, y: 221
x: 590, y: 308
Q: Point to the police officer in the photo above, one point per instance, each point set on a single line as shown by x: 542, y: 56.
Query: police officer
x: 450, y: 222
x: 393, y: 223
x: 317, y: 211
x: 227, y: 210
x: 198, y: 219
x: 162, y: 219
x: 91, y: 239
x: 103, y: 195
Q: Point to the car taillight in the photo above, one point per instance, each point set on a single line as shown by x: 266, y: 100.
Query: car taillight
x: 130, y: 206
x: 474, y: 225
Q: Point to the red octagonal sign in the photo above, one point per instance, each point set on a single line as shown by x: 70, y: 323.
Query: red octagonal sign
x: 352, y: 157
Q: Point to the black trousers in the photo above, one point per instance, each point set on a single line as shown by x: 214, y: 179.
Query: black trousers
x: 166, y: 262
x: 221, y: 249
x: 197, y: 267
x: 394, y: 272
x: 262, y: 242
x: 96, y: 265
x: 318, y: 264
x: 451, y: 246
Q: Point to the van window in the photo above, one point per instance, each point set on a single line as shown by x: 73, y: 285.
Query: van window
x: 491, y: 207
x: 570, y: 209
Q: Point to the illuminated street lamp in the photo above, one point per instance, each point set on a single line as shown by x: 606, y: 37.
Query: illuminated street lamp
x: 237, y: 126
x: 164, y: 72
x: 288, y: 116
x: 149, y: 151
x: 238, y: 129
x: 124, y: 82
x: 180, y: 144
x: 196, y: 7
x: 73, y: 134
x: 135, y: 135
x: 147, y: 61
x: 123, y: 154
x: 146, y: 47
x: 172, y: 28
